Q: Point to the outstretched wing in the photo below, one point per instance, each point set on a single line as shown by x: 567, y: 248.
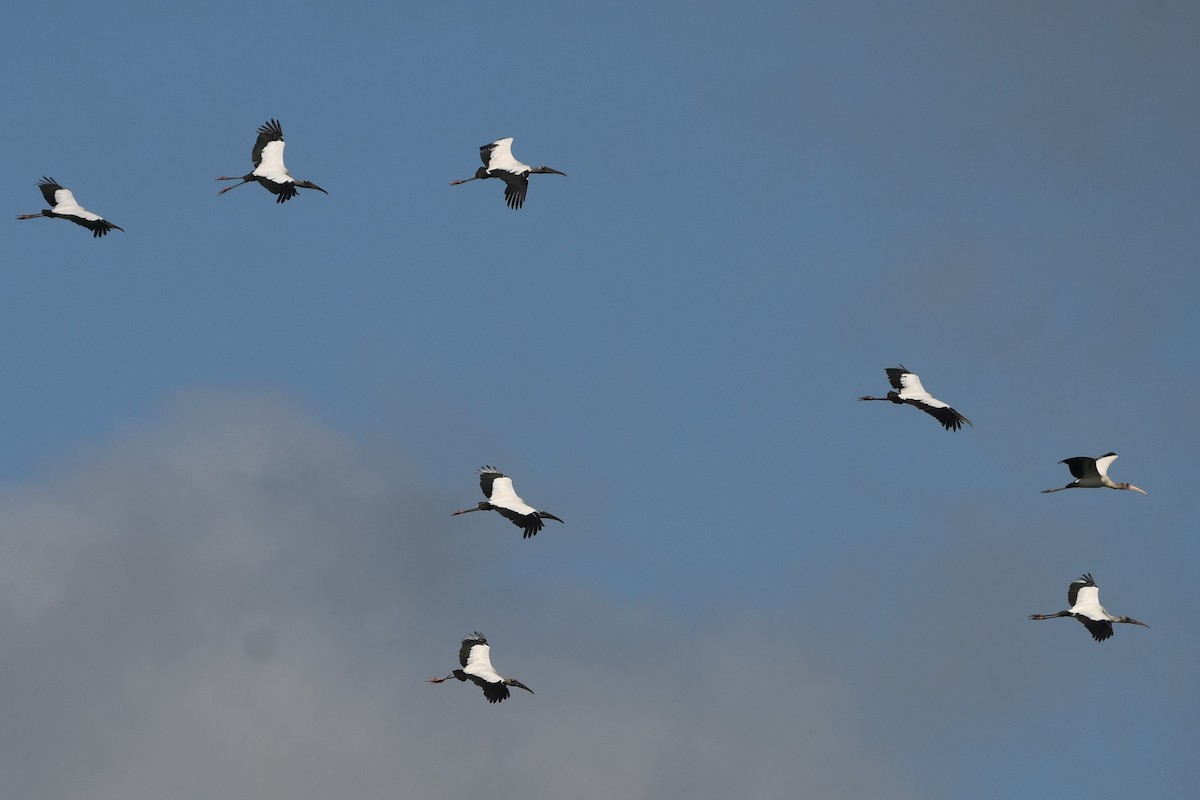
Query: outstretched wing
x: 1104, y: 462
x: 909, y: 387
x: 515, y: 187
x: 469, y: 643
x: 270, y: 139
x: 1100, y: 629
x: 1083, y: 582
x: 50, y: 189
x: 498, y: 155
x: 1082, y: 467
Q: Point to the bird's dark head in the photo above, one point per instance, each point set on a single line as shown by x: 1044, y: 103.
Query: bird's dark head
x: 484, y: 505
x: 1131, y: 488
x: 518, y: 684
x: 310, y: 185
x: 547, y: 171
x: 1132, y: 621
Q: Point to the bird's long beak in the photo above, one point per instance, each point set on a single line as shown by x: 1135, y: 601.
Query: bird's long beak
x: 1133, y: 488
x: 519, y: 685
x: 1135, y: 622
x: 547, y: 515
x: 464, y: 180
x: 464, y: 511
x: 29, y: 216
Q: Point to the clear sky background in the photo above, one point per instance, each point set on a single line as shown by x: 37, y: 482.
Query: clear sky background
x: 235, y: 433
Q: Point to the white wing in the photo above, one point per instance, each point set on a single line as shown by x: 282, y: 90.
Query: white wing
x: 504, y: 496
x: 479, y: 664
x: 1102, y: 464
x: 271, y: 165
x: 64, y: 203
x: 911, y: 389
x: 502, y: 157
x: 1087, y: 602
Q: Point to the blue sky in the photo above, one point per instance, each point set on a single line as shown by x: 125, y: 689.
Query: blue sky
x: 242, y: 423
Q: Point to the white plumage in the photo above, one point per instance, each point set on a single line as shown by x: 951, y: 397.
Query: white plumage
x: 475, y: 658
x: 1083, y: 597
x: 502, y: 498
x: 498, y: 162
x: 269, y: 170
x: 66, y: 207
x: 1092, y: 473
x: 908, y: 389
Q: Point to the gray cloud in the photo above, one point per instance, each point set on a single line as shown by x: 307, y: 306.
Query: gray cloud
x: 237, y: 602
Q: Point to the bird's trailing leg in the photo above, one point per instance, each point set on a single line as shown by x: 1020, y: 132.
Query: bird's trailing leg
x: 227, y: 188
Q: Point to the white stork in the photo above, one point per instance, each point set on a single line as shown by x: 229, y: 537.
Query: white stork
x: 1083, y: 595
x: 498, y: 488
x: 269, y: 170
x: 1092, y: 473
x: 477, y: 668
x: 908, y: 389
x: 498, y: 162
x: 65, y: 207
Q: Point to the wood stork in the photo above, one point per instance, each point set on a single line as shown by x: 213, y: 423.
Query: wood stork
x: 1083, y: 595
x: 498, y: 162
x: 477, y: 668
x: 65, y: 207
x: 498, y: 488
x: 1092, y: 473
x: 269, y: 170
x: 908, y: 389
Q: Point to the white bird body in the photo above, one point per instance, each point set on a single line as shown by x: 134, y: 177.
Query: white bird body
x: 475, y: 658
x: 1092, y: 473
x: 269, y: 170
x: 502, y: 498
x: 908, y: 389
x: 66, y: 207
x: 1083, y: 597
x: 498, y: 162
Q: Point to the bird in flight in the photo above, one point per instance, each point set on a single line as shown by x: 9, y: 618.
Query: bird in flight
x: 65, y: 207
x: 1083, y: 597
x: 1092, y: 473
x: 474, y: 656
x: 907, y: 388
x: 498, y: 488
x: 269, y: 170
x: 498, y: 162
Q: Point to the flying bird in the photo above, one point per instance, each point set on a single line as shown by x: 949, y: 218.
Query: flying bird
x: 498, y: 488
x: 477, y: 668
x: 65, y: 207
x: 1083, y: 595
x: 498, y: 162
x: 1092, y: 473
x: 908, y: 389
x: 269, y: 170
